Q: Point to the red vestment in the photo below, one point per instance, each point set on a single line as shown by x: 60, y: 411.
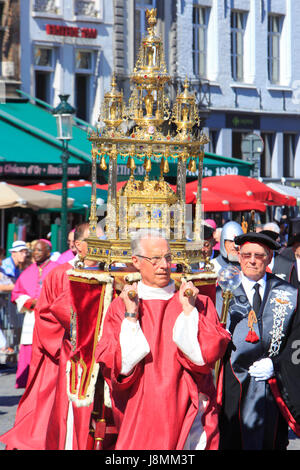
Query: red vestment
x: 29, y: 431
x: 155, y: 405
x: 57, y: 425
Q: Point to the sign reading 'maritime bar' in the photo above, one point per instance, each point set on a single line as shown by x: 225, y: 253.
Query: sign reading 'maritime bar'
x: 71, y: 31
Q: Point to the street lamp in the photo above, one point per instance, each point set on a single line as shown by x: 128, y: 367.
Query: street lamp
x: 63, y: 114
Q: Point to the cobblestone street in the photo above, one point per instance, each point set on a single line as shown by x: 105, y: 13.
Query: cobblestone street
x: 10, y: 397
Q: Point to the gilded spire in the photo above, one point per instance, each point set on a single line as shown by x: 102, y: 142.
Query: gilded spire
x: 148, y: 202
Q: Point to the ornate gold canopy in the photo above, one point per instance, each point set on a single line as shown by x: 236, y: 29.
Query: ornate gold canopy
x: 147, y: 203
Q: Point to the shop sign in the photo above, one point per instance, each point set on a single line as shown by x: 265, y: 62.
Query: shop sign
x: 215, y: 171
x: 242, y: 121
x: 123, y: 171
x: 71, y: 31
x: 42, y: 170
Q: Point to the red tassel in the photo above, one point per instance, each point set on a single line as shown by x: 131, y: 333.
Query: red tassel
x: 252, y: 337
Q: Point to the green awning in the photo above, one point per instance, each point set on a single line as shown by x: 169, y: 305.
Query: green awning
x: 217, y: 165
x: 213, y: 165
x: 29, y: 148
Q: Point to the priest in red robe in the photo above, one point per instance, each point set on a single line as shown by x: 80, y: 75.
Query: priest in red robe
x: 157, y: 352
x: 68, y: 425
x: 52, y: 318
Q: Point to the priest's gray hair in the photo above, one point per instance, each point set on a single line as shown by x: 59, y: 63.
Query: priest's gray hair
x: 143, y: 234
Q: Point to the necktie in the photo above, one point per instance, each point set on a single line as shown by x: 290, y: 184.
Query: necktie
x: 256, y: 299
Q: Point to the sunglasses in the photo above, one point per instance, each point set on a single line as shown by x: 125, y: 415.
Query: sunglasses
x: 258, y: 256
x: 156, y: 260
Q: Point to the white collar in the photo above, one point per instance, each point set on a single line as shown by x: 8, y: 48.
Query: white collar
x: 156, y: 293
x: 250, y: 283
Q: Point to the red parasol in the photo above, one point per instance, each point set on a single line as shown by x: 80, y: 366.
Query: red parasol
x: 216, y: 202
x: 245, y: 188
x: 55, y: 186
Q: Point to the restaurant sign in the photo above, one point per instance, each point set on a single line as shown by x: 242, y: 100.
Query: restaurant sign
x: 49, y: 170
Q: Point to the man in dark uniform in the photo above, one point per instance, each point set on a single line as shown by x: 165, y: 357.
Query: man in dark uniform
x: 288, y: 267
x: 261, y: 316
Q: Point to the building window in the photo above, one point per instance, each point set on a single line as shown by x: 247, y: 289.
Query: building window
x: 200, y: 22
x: 238, y: 22
x: 237, y: 138
x: 47, y: 6
x: 274, y: 31
x: 289, y: 150
x: 43, y: 61
x: 83, y: 60
x: 88, y: 8
x: 213, y: 140
x: 83, y: 77
x: 140, y: 22
x: 42, y: 57
x: 266, y: 156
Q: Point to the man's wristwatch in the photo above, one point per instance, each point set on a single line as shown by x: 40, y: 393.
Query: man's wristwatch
x: 130, y: 315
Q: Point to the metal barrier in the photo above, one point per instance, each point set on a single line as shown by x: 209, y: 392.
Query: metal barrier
x: 11, y: 325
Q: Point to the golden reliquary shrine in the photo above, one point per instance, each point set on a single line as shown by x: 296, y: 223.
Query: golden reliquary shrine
x: 147, y: 203
x: 141, y: 203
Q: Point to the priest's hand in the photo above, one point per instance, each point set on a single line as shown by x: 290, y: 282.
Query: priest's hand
x: 131, y: 302
x: 187, y: 296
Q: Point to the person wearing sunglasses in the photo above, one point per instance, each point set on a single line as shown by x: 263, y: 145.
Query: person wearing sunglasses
x: 258, y: 390
x: 157, y: 352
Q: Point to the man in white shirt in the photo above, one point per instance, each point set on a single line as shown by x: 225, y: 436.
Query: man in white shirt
x: 260, y: 316
x: 157, y: 352
x: 13, y: 264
